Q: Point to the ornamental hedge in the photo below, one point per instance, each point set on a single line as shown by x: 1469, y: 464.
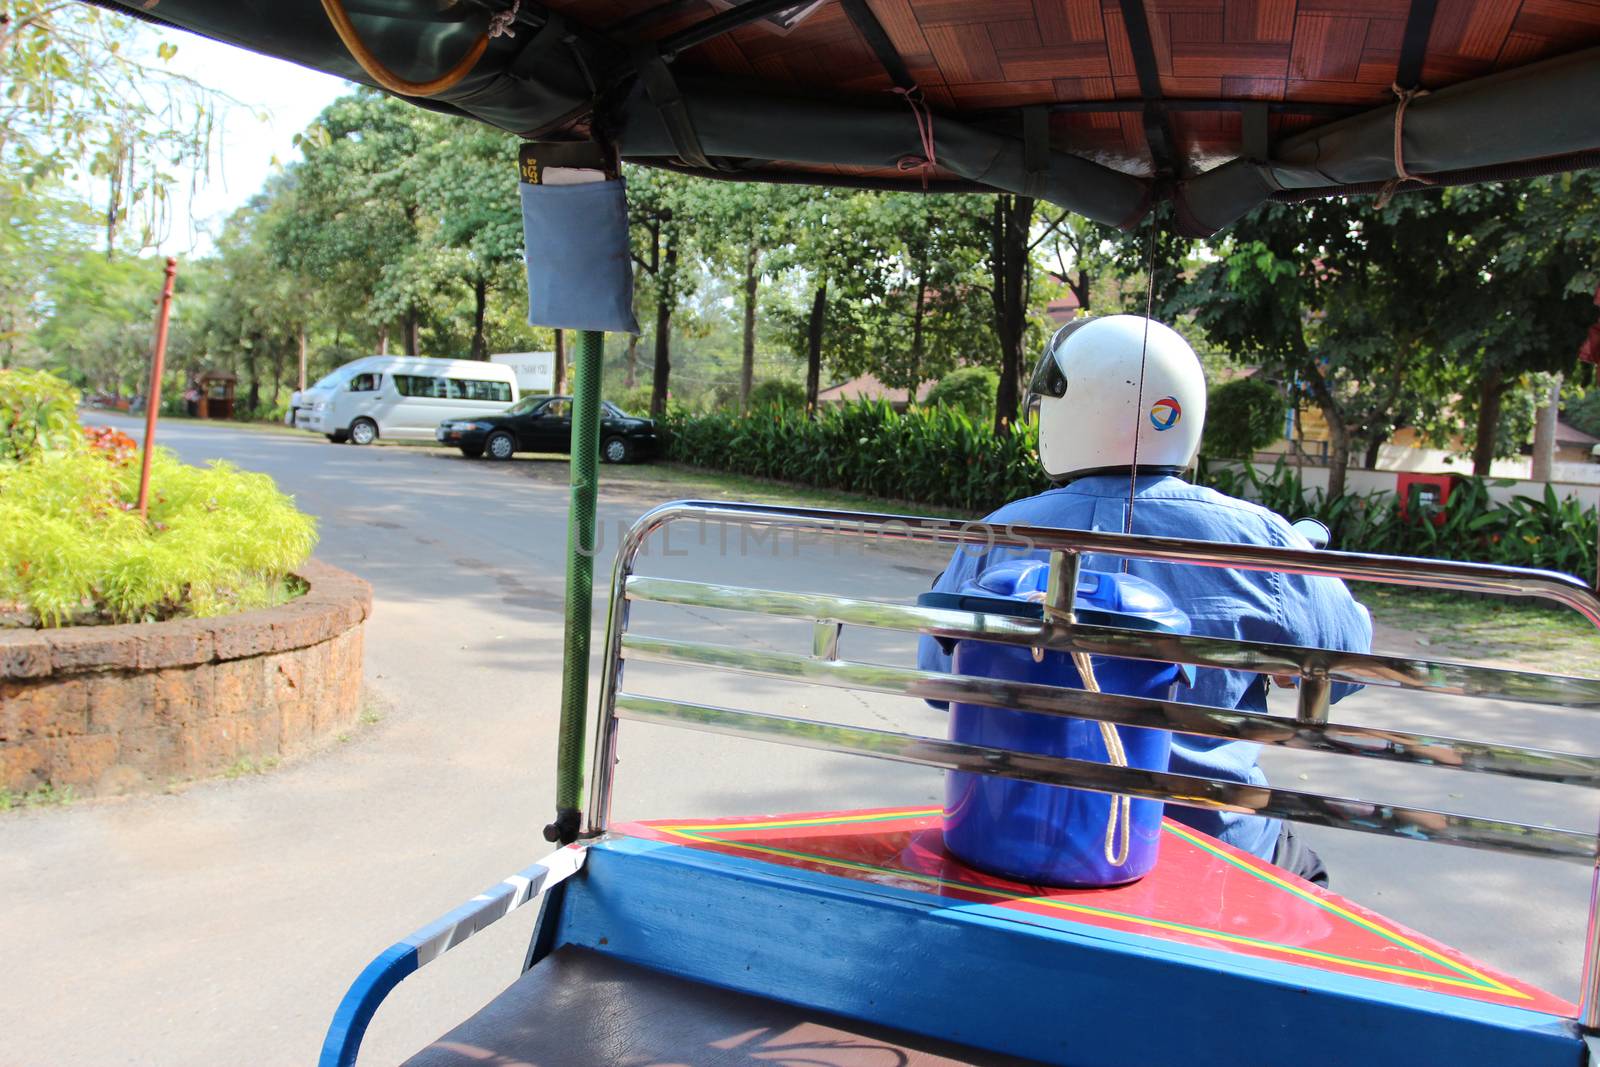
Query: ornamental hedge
x: 932, y: 456
x: 940, y: 460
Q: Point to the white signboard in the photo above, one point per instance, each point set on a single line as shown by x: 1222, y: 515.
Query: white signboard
x: 535, y: 371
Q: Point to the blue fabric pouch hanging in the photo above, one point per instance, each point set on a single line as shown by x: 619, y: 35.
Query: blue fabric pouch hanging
x: 575, y: 243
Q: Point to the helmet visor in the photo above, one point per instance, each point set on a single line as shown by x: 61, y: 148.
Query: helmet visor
x: 1048, y: 379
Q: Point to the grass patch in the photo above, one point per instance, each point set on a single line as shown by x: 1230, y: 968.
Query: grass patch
x: 1463, y: 626
x: 244, y: 765
x: 266, y: 425
x: 686, y: 481
x: 46, y: 796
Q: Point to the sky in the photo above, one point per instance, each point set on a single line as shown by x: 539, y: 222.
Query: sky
x: 287, y: 98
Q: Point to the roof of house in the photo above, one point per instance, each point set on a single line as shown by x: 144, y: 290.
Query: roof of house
x: 1063, y: 308
x: 868, y: 387
x: 1568, y: 434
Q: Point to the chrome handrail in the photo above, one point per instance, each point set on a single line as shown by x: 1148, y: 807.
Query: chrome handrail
x: 1357, y: 668
x: 1058, y: 629
x: 1345, y: 813
x: 1369, y: 742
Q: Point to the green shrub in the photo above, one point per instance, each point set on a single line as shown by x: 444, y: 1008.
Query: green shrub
x: 1584, y: 413
x: 1544, y: 532
x: 38, y: 411
x: 932, y: 456
x: 73, y: 550
x: 969, y: 390
x: 723, y: 396
x: 266, y: 411
x: 635, y: 401
x: 777, y: 393
x: 1242, y: 417
x: 939, y: 459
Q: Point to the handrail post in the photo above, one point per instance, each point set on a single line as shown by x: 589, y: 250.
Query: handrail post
x: 602, y: 771
x: 1589, y: 994
x: 1315, y: 690
x: 825, y: 639
x: 1062, y: 591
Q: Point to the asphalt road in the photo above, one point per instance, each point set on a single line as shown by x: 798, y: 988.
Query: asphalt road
x: 221, y: 923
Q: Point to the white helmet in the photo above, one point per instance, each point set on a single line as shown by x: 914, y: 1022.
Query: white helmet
x: 1088, y: 394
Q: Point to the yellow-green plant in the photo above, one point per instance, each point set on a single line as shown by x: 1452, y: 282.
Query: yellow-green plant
x: 72, y: 548
x: 38, y: 411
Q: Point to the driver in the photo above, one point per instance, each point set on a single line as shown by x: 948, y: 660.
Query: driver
x: 1086, y: 394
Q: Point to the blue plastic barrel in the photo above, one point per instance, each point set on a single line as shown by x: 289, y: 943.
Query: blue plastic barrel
x: 1046, y: 834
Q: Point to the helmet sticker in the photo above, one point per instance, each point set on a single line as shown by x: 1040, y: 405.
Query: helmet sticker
x: 1165, y: 413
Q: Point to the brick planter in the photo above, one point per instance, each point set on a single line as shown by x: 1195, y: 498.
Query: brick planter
x: 119, y: 709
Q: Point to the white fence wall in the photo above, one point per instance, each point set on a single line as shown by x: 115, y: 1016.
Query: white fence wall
x: 1433, y: 460
x: 1362, y: 482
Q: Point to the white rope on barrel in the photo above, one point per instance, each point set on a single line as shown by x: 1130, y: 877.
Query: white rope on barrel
x: 1118, y: 823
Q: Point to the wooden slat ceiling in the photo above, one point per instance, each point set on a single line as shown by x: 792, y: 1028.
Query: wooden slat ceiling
x: 974, y: 57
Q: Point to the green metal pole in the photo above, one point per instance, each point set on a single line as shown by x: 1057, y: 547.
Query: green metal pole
x: 580, y: 584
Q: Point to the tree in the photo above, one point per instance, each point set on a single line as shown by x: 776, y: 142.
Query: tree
x: 742, y: 224
x: 1523, y: 300
x: 359, y: 211
x: 660, y: 212
x: 470, y: 193
x: 100, y: 327
x: 46, y: 229
x: 831, y: 228
x: 82, y: 101
x: 945, y: 281
x: 1311, y: 292
x: 777, y: 393
x: 920, y: 307
x: 1010, y: 266
x: 256, y: 313
x: 1242, y: 417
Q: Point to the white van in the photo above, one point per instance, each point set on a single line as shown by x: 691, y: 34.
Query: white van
x: 401, y: 397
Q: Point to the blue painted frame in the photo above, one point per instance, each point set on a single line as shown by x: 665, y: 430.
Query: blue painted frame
x: 1058, y: 992
x: 402, y: 959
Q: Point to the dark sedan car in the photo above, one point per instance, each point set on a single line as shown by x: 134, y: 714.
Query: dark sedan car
x: 544, y: 424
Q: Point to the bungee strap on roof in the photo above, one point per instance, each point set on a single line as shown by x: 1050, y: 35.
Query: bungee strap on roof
x: 1035, y: 149
x: 1480, y: 130
x: 663, y: 93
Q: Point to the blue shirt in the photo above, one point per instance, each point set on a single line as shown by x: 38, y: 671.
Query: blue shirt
x: 1246, y: 605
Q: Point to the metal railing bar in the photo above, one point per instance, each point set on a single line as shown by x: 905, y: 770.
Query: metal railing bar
x: 1419, y: 824
x: 1338, y: 738
x: 1390, y: 570
x: 1359, y: 668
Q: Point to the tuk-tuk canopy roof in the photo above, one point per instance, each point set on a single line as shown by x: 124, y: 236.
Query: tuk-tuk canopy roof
x: 1100, y: 106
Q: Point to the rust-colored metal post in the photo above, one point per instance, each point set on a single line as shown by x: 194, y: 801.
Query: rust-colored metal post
x: 152, y: 400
